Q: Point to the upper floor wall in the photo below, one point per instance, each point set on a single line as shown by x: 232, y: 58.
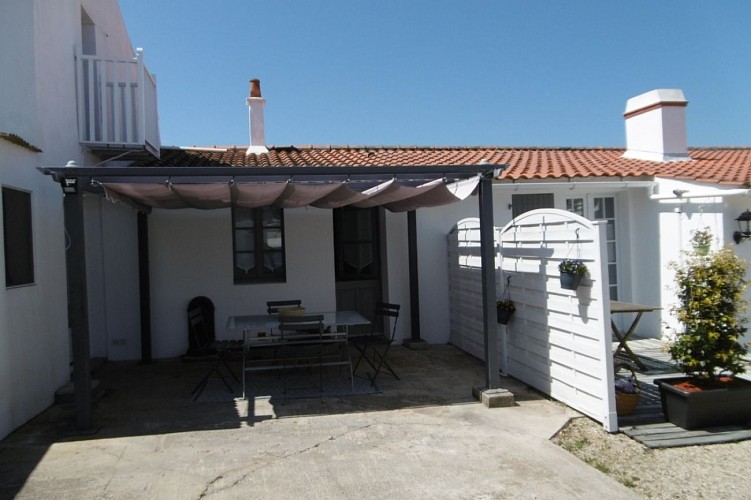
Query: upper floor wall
x: 38, y: 44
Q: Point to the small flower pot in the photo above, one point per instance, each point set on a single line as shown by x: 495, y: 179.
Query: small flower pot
x: 570, y: 281
x: 504, y: 315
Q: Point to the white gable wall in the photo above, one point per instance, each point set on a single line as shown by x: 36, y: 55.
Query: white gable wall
x: 38, y: 103
x: 33, y: 332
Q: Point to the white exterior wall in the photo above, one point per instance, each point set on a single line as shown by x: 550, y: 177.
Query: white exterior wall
x: 735, y: 205
x: 396, y: 282
x: 433, y: 224
x: 33, y: 328
x: 191, y: 255
x: 38, y: 103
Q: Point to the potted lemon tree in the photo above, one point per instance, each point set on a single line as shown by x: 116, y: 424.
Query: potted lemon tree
x: 709, y: 290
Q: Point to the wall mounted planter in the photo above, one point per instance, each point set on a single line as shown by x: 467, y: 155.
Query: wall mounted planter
x: 708, y: 407
x: 570, y: 281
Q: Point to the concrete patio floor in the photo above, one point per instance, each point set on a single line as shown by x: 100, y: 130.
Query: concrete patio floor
x: 422, y: 437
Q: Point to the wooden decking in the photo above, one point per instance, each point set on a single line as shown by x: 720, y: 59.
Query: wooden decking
x: 647, y: 424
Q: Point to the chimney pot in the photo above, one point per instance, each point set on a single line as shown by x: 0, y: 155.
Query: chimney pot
x: 255, y: 88
x: 255, y: 116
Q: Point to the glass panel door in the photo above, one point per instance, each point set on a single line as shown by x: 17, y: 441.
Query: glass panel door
x: 602, y: 208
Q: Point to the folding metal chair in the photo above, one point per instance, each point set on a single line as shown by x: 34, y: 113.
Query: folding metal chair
x: 213, y: 349
x: 374, y: 348
x: 301, y: 346
x: 273, y: 306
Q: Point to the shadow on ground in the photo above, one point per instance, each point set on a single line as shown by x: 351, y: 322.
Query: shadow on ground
x: 151, y: 399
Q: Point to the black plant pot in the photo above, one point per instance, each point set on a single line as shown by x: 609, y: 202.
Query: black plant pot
x: 570, y: 281
x: 729, y: 405
x: 503, y: 315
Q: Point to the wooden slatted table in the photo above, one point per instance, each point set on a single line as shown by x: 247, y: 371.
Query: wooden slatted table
x: 617, y: 307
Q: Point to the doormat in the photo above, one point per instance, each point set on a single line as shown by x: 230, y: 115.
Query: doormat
x: 667, y: 435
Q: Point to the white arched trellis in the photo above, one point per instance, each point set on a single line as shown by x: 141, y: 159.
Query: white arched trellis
x: 558, y: 341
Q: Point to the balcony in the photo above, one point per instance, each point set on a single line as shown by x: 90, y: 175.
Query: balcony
x: 117, y: 108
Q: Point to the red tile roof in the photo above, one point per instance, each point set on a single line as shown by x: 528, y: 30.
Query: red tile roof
x: 726, y: 166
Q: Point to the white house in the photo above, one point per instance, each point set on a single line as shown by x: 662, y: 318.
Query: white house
x: 73, y: 105
x: 59, y: 58
x: 652, y: 195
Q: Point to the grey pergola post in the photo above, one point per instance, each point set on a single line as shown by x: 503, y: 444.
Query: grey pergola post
x: 144, y: 285
x: 414, y: 284
x: 78, y: 310
x: 487, y: 259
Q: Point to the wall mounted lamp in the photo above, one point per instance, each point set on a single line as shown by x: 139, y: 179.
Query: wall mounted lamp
x: 744, y: 227
x: 69, y: 185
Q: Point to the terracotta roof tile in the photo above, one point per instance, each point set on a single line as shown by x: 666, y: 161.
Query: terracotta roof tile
x: 727, y: 166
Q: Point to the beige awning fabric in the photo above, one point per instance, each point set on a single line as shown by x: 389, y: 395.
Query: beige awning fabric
x: 393, y: 194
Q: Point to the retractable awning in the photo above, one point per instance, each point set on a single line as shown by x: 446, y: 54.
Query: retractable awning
x: 398, y: 189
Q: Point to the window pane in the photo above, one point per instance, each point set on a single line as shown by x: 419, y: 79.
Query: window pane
x: 609, y: 208
x: 357, y: 225
x: 273, y: 261
x: 356, y: 243
x: 258, y: 244
x: 244, y: 217
x: 358, y: 258
x: 612, y: 273
x: 610, y: 230
x: 17, y: 233
x: 575, y: 205
x: 244, y: 240
x: 272, y: 238
x: 599, y: 212
x: 245, y: 262
x: 272, y: 217
x: 521, y: 203
x: 611, y: 252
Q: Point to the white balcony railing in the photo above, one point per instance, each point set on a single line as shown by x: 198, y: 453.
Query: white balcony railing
x: 117, y: 106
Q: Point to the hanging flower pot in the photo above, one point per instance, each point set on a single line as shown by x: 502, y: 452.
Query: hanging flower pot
x: 701, y: 240
x: 504, y: 307
x: 570, y: 281
x: 504, y: 311
x: 572, y: 271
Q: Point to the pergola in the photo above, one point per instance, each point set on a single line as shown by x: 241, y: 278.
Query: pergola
x: 398, y: 189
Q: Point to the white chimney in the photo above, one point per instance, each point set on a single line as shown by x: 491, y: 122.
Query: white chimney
x: 255, y: 116
x: 656, y: 126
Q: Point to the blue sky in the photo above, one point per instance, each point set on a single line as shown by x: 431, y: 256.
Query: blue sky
x: 522, y: 73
